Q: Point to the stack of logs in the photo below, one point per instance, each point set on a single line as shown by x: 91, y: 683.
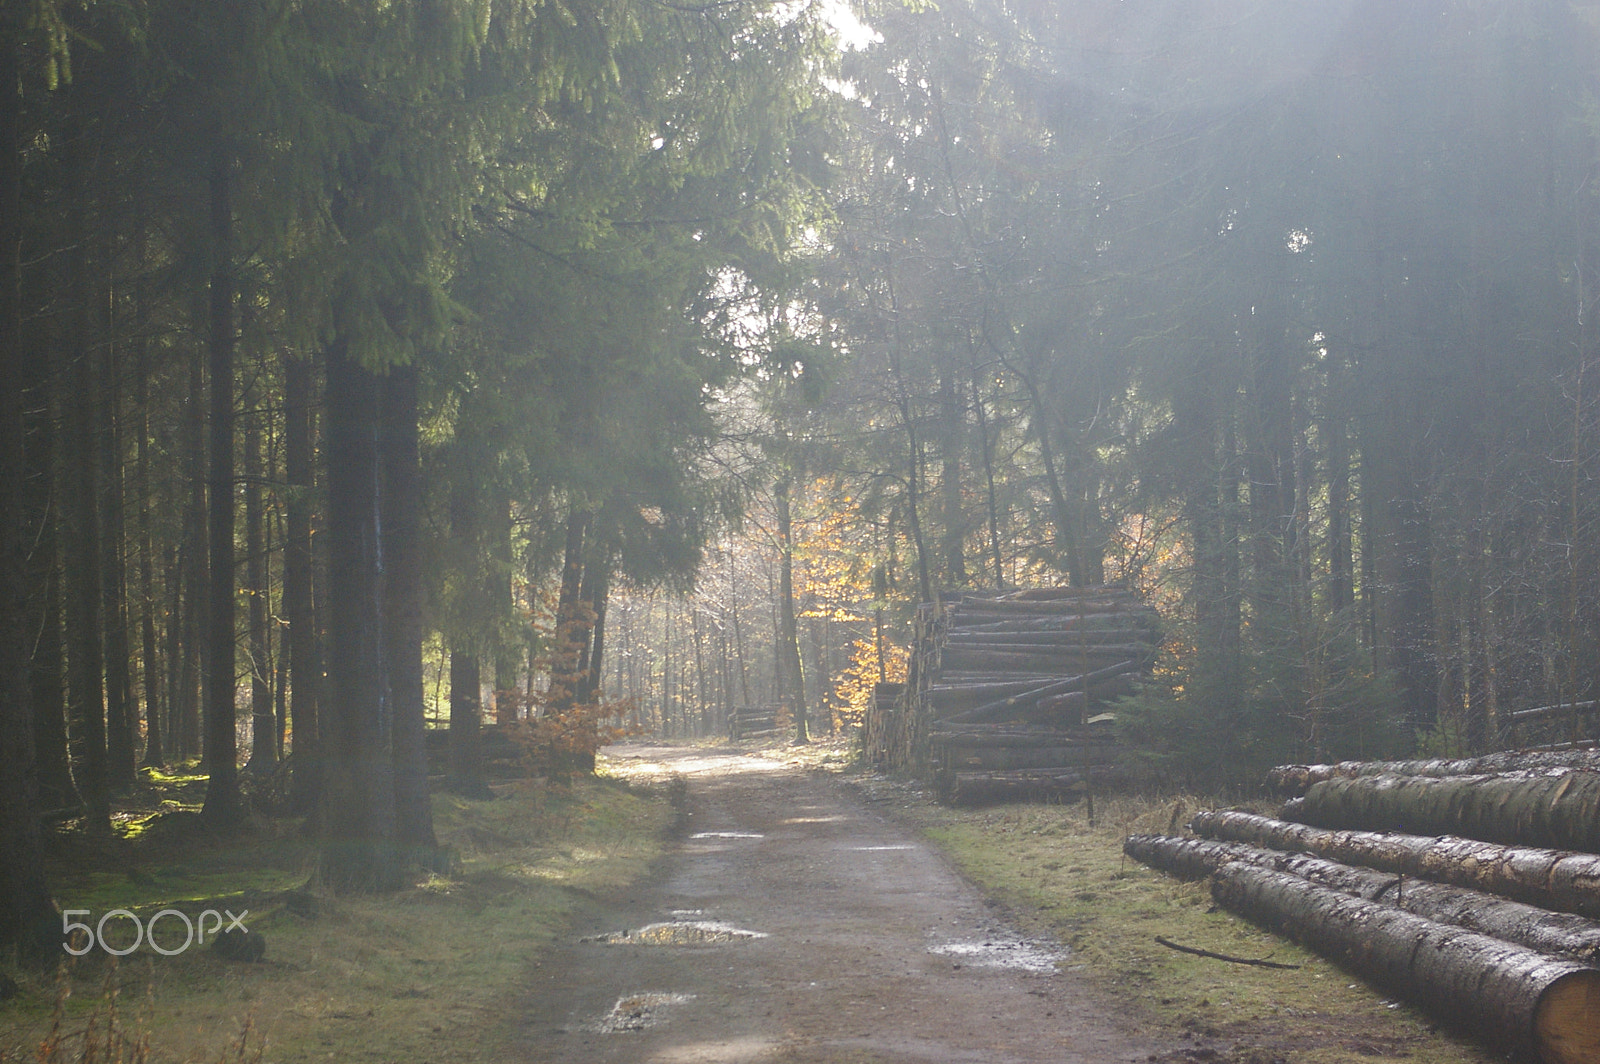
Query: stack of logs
x: 1470, y: 887
x: 884, y: 722
x: 757, y: 722
x: 1005, y: 690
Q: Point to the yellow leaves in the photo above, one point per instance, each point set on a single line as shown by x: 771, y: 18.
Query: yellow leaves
x: 853, y: 691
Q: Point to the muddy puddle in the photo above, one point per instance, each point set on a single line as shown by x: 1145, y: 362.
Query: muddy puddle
x: 638, y: 1012
x: 997, y: 953
x: 679, y: 933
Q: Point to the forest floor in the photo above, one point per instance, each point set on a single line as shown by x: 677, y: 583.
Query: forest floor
x: 708, y: 904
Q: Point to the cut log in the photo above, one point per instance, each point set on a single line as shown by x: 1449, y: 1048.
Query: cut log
x: 1550, y: 879
x: 1024, y: 665
x: 1538, y: 712
x: 1513, y: 921
x: 1053, y: 594
x: 1541, y: 1006
x: 1012, y: 736
x: 1292, y: 780
x: 964, y: 637
x: 1558, y: 808
x: 998, y: 708
x: 1119, y: 623
x: 963, y: 757
x: 1007, y: 655
x: 1042, y: 620
x: 1028, y: 785
x: 1056, y: 607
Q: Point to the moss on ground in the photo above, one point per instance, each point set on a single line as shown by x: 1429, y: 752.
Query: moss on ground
x: 431, y: 973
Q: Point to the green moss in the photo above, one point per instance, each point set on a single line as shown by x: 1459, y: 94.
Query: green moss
x: 425, y: 973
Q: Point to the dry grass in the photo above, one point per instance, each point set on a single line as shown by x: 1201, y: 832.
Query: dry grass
x: 431, y: 973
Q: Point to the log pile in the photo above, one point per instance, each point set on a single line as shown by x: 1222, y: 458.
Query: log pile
x: 757, y: 722
x: 884, y: 722
x: 1470, y: 887
x: 1292, y: 781
x: 1006, y: 690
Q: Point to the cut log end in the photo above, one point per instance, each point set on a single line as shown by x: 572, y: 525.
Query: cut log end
x: 1566, y: 1023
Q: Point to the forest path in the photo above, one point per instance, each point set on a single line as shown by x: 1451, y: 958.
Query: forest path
x: 871, y: 948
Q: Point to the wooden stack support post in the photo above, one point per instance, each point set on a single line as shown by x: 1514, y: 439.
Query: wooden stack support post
x: 1004, y: 689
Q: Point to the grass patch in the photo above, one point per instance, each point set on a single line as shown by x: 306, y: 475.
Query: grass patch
x: 1060, y: 873
x: 432, y: 973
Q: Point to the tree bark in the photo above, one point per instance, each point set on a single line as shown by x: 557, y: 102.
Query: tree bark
x: 952, y: 444
x: 1550, y: 879
x: 1557, y: 808
x: 794, y: 687
x: 986, y: 450
x: 1539, y: 929
x: 304, y: 647
x: 466, y: 673
x: 81, y: 547
x: 1515, y: 997
x: 1294, y: 780
x: 190, y: 588
x: 263, y: 724
x: 358, y: 844
x: 27, y: 915
x: 221, y: 807
x: 402, y: 614
x: 121, y: 715
x: 150, y: 662
x: 44, y: 502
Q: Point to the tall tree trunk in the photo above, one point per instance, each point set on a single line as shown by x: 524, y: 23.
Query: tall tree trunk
x: 466, y: 670
x: 84, y: 623
x: 913, y: 441
x: 1341, y: 554
x: 43, y: 486
x: 189, y: 595
x: 572, y: 627
x: 221, y: 807
x: 593, y: 592
x: 794, y: 684
x: 263, y: 725
x: 700, y: 671
x: 121, y: 716
x: 304, y: 649
x: 149, y: 659
x: 738, y: 630
x: 26, y: 911
x: 402, y: 611
x: 1269, y: 460
x: 987, y: 451
x: 358, y: 841
x: 1068, y: 547
x: 1209, y: 476
x: 498, y: 549
x: 952, y: 444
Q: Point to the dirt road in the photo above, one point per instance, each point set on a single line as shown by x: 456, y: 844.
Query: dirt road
x: 795, y: 924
